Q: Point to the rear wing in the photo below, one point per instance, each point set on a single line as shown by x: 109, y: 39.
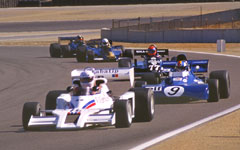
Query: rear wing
x: 108, y: 73
x: 66, y: 39
x: 197, y: 66
x: 143, y: 52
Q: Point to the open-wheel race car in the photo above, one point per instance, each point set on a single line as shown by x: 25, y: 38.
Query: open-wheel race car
x: 67, y: 46
x: 89, y: 102
x: 186, y: 80
x: 149, y: 64
x: 97, y: 51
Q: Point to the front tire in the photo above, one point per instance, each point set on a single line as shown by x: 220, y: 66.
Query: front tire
x: 29, y: 109
x: 123, y: 111
x: 213, y: 87
x: 145, y: 104
x: 151, y: 78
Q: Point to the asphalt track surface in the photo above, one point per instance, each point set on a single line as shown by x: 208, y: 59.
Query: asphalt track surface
x: 54, y: 25
x: 28, y: 73
x: 65, y: 25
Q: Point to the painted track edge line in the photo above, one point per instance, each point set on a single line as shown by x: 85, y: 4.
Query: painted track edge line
x: 184, y: 128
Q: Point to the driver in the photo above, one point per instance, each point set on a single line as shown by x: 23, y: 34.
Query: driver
x: 152, y: 51
x: 88, y: 84
x: 182, y: 65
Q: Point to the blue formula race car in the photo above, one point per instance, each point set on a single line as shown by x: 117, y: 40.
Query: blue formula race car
x: 149, y: 67
x: 67, y: 46
x: 97, y: 50
x: 186, y: 80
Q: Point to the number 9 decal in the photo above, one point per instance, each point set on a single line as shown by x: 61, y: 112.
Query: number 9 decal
x: 174, y: 91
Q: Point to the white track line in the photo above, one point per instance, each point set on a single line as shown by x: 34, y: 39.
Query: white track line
x: 192, y: 125
x: 182, y: 129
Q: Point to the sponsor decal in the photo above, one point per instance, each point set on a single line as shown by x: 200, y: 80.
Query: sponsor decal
x: 89, y: 104
x: 106, y: 71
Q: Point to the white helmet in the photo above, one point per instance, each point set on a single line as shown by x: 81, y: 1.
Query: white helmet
x: 87, y: 79
x: 105, y: 42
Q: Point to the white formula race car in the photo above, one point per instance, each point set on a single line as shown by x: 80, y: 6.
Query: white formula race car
x: 64, y: 110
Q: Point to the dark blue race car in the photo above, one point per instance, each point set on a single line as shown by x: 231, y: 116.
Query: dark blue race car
x: 93, y: 51
x: 66, y: 47
x: 149, y: 64
x: 189, y: 83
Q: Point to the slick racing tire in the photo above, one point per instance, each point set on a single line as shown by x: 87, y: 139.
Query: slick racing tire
x: 151, y: 78
x: 123, y: 111
x: 29, y: 109
x: 50, y: 103
x: 91, y: 56
x: 55, y: 50
x: 124, y: 62
x: 213, y: 86
x: 140, y: 83
x: 128, y: 53
x: 65, y: 51
x: 145, y: 104
x: 224, y: 82
x: 81, y: 54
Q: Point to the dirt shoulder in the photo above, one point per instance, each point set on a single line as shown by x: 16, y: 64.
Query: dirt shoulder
x: 220, y: 134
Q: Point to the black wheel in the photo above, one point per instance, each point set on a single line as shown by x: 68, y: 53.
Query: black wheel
x: 81, y: 54
x: 50, y: 103
x: 145, y: 104
x: 123, y: 111
x: 174, y: 58
x: 151, y: 78
x: 29, y: 109
x: 213, y: 90
x: 90, y: 55
x: 124, y: 62
x: 128, y: 53
x: 65, y: 51
x: 140, y: 83
x: 224, y: 82
x: 181, y: 57
x: 55, y: 50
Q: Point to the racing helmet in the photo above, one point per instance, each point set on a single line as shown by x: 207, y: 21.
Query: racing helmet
x: 152, y: 50
x: 87, y: 79
x: 80, y: 38
x: 105, y: 42
x: 182, y: 65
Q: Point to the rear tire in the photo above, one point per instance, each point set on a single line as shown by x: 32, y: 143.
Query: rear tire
x: 224, y: 82
x: 124, y: 62
x: 123, y: 111
x: 213, y: 87
x: 55, y: 50
x: 50, y: 103
x: 29, y: 109
x: 145, y: 104
x: 128, y: 53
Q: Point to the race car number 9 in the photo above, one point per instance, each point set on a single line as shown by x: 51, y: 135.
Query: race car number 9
x: 174, y: 91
